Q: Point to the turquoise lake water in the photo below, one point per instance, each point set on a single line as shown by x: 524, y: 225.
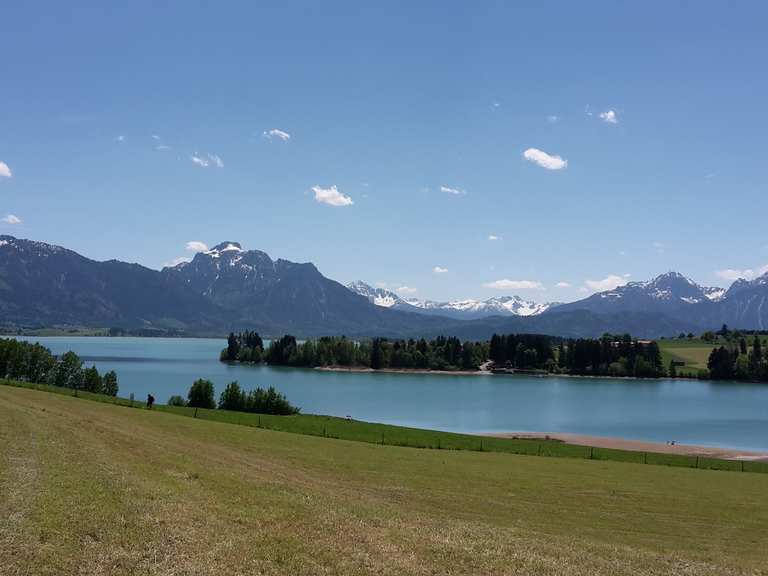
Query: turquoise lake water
x: 727, y: 414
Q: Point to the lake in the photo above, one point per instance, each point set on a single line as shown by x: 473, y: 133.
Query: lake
x: 724, y: 414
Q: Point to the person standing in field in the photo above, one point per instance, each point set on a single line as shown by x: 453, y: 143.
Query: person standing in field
x: 150, y: 401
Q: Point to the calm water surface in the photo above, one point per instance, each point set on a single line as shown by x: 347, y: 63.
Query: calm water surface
x: 696, y: 412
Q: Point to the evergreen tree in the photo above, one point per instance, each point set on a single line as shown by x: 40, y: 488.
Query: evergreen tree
x: 109, y: 383
x: 92, y: 380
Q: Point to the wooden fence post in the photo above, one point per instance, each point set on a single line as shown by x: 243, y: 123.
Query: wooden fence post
x: 195, y: 416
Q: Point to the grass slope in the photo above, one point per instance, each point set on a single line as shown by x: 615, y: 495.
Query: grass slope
x: 92, y: 488
x: 371, y: 432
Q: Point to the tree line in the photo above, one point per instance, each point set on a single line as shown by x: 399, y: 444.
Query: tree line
x: 610, y: 355
x: 442, y: 353
x: 27, y: 362
x: 202, y: 395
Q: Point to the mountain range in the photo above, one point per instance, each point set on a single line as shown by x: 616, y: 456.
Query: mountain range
x: 458, y: 309
x: 229, y: 288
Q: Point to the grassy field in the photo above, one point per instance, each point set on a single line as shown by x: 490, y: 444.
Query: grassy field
x: 374, y: 433
x: 94, y: 488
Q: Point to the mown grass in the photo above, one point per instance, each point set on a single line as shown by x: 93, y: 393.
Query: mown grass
x: 374, y: 433
x: 92, y: 488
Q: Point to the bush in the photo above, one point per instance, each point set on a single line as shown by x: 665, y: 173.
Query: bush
x: 176, y: 400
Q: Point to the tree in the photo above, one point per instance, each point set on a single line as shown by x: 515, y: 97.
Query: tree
x: 69, y: 372
x: 92, y: 380
x: 176, y: 400
x: 109, y: 383
x: 721, y: 364
x: 672, y: 369
x: 233, y: 347
x: 233, y: 398
x: 756, y: 357
x: 201, y: 394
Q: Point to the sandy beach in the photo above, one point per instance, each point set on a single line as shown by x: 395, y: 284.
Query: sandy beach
x: 640, y: 445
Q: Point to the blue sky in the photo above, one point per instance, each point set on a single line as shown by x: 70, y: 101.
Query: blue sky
x: 129, y: 131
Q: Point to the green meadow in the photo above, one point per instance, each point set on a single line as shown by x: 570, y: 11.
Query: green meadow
x: 98, y: 488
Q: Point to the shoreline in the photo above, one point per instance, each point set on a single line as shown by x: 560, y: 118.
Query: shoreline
x: 364, y: 370
x: 638, y: 445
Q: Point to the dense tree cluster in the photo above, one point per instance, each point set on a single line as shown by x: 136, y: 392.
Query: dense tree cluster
x: 739, y: 360
x: 524, y: 351
x: 259, y: 401
x: 607, y: 356
x: 29, y: 362
x: 243, y: 347
x: 438, y: 354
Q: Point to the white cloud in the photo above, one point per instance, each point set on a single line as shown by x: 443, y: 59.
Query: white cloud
x: 552, y: 118
x: 562, y: 285
x: 162, y: 147
x: 506, y: 284
x: 610, y: 282
x: 609, y: 116
x: 176, y: 261
x: 199, y: 160
x: 275, y: 133
x: 746, y: 274
x: 205, y: 160
x: 331, y: 196
x: 5, y: 170
x: 155, y: 137
x: 196, y: 246
x: 406, y: 290
x: 439, y: 270
x: 12, y: 219
x: 493, y: 237
x: 120, y: 138
x: 545, y: 160
x: 659, y: 247
x: 454, y: 191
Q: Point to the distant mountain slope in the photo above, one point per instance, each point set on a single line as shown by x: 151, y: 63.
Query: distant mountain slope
x: 744, y: 305
x: 42, y: 285
x: 279, y: 296
x: 229, y: 288
x: 571, y: 323
x: 458, y: 309
x: 667, y: 294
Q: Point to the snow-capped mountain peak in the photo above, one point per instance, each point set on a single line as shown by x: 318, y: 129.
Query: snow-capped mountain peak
x: 464, y: 309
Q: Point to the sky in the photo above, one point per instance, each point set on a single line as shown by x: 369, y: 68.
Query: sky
x: 442, y: 149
